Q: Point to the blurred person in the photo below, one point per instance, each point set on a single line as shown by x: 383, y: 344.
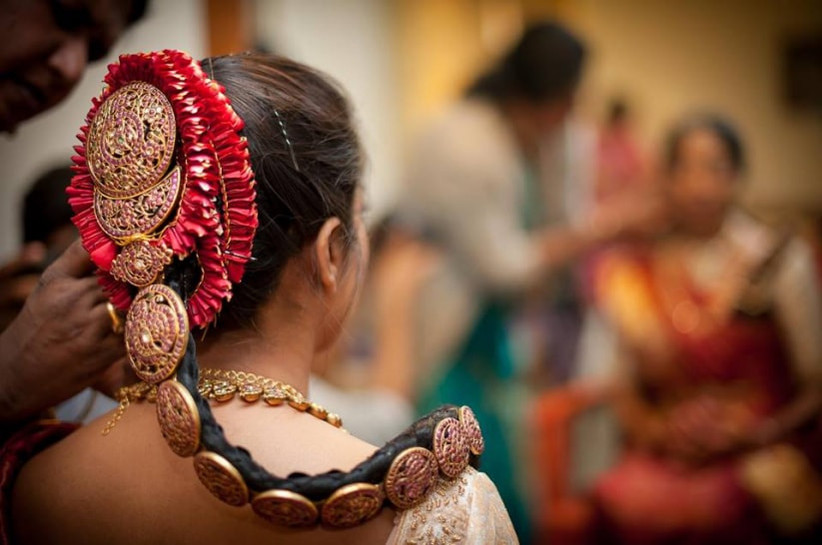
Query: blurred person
x: 47, y: 45
x: 501, y: 182
x: 620, y: 163
x: 218, y: 442
x: 45, y: 50
x: 47, y: 232
x: 720, y: 380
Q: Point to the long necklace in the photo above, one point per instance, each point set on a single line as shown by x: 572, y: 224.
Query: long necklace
x: 224, y: 385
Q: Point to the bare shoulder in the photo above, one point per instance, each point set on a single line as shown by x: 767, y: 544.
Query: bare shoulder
x: 129, y: 488
x: 57, y: 488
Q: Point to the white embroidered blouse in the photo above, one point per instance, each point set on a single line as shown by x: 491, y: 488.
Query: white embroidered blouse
x: 465, y: 511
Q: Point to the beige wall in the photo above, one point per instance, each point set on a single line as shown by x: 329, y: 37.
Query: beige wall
x: 668, y: 57
x: 675, y: 57
x: 351, y: 41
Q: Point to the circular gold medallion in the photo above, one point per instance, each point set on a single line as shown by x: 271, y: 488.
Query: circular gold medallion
x: 412, y: 475
x: 221, y: 478
x: 143, y: 214
x: 351, y: 505
x: 178, y: 417
x: 156, y: 333
x: 450, y: 447
x: 140, y: 263
x: 471, y: 428
x: 131, y: 140
x: 285, y: 508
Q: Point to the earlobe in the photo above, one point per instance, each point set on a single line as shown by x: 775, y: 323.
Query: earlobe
x: 329, y: 254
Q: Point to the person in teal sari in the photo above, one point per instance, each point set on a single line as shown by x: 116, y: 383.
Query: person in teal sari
x: 499, y: 182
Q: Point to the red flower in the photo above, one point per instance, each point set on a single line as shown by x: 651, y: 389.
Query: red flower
x: 217, y: 215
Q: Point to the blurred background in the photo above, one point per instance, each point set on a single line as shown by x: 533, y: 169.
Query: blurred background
x: 403, y: 61
x: 687, y: 152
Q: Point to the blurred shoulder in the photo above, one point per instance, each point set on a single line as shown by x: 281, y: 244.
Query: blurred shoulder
x: 469, y: 132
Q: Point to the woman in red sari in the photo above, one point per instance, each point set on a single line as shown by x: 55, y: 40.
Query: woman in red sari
x: 719, y: 327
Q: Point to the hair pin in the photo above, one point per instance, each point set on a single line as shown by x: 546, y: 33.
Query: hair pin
x: 287, y: 140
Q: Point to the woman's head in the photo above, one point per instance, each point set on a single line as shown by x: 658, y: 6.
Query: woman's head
x: 307, y: 161
x: 703, y: 161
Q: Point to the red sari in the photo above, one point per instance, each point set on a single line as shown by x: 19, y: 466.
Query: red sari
x: 15, y: 450
x: 738, y: 367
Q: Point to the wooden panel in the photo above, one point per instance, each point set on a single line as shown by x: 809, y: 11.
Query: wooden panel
x: 229, y: 26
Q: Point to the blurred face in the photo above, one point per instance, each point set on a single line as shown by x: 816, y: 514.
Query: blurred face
x: 45, y: 48
x: 549, y: 115
x: 702, y: 183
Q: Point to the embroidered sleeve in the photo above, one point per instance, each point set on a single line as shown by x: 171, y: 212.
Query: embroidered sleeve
x: 464, y: 511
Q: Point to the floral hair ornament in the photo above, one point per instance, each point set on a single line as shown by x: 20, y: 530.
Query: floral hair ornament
x: 163, y: 174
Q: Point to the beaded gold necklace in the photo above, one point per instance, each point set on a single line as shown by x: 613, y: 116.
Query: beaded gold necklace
x: 223, y: 386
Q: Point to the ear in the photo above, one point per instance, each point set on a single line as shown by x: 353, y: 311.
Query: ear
x: 329, y: 254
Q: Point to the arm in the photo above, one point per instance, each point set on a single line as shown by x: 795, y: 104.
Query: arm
x: 399, y: 274
x: 641, y: 421
x: 473, y: 208
x: 59, y: 343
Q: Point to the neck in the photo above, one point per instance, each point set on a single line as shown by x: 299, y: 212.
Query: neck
x: 284, y: 353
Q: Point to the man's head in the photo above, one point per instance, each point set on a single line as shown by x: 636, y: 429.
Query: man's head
x: 538, y: 77
x: 46, y: 46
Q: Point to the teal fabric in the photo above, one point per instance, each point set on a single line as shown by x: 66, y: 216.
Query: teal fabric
x: 482, y: 376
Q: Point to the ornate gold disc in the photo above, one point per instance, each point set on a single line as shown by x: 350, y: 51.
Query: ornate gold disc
x: 143, y: 214
x: 285, y: 508
x: 472, y: 430
x: 450, y: 447
x: 178, y: 417
x: 156, y: 333
x: 140, y: 263
x: 221, y: 478
x: 351, y: 505
x: 131, y: 140
x: 412, y: 475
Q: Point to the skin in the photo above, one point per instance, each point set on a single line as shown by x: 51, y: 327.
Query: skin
x: 90, y: 489
x: 46, y: 47
x: 60, y: 343
x: 703, y: 186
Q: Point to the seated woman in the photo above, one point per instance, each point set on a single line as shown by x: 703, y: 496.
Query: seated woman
x: 231, y: 189
x: 720, y: 402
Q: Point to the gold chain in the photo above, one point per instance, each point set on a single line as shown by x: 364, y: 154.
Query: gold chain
x: 224, y: 385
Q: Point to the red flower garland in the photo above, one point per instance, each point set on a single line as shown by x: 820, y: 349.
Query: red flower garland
x: 216, y: 169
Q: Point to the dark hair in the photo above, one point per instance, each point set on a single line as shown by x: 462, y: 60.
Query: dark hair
x: 136, y: 11
x: 617, y: 110
x: 45, y: 208
x: 306, y: 158
x: 721, y: 127
x: 546, y: 63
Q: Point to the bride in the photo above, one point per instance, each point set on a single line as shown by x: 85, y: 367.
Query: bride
x: 221, y: 203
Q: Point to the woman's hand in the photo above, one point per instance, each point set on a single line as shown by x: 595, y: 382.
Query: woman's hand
x: 705, y: 428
